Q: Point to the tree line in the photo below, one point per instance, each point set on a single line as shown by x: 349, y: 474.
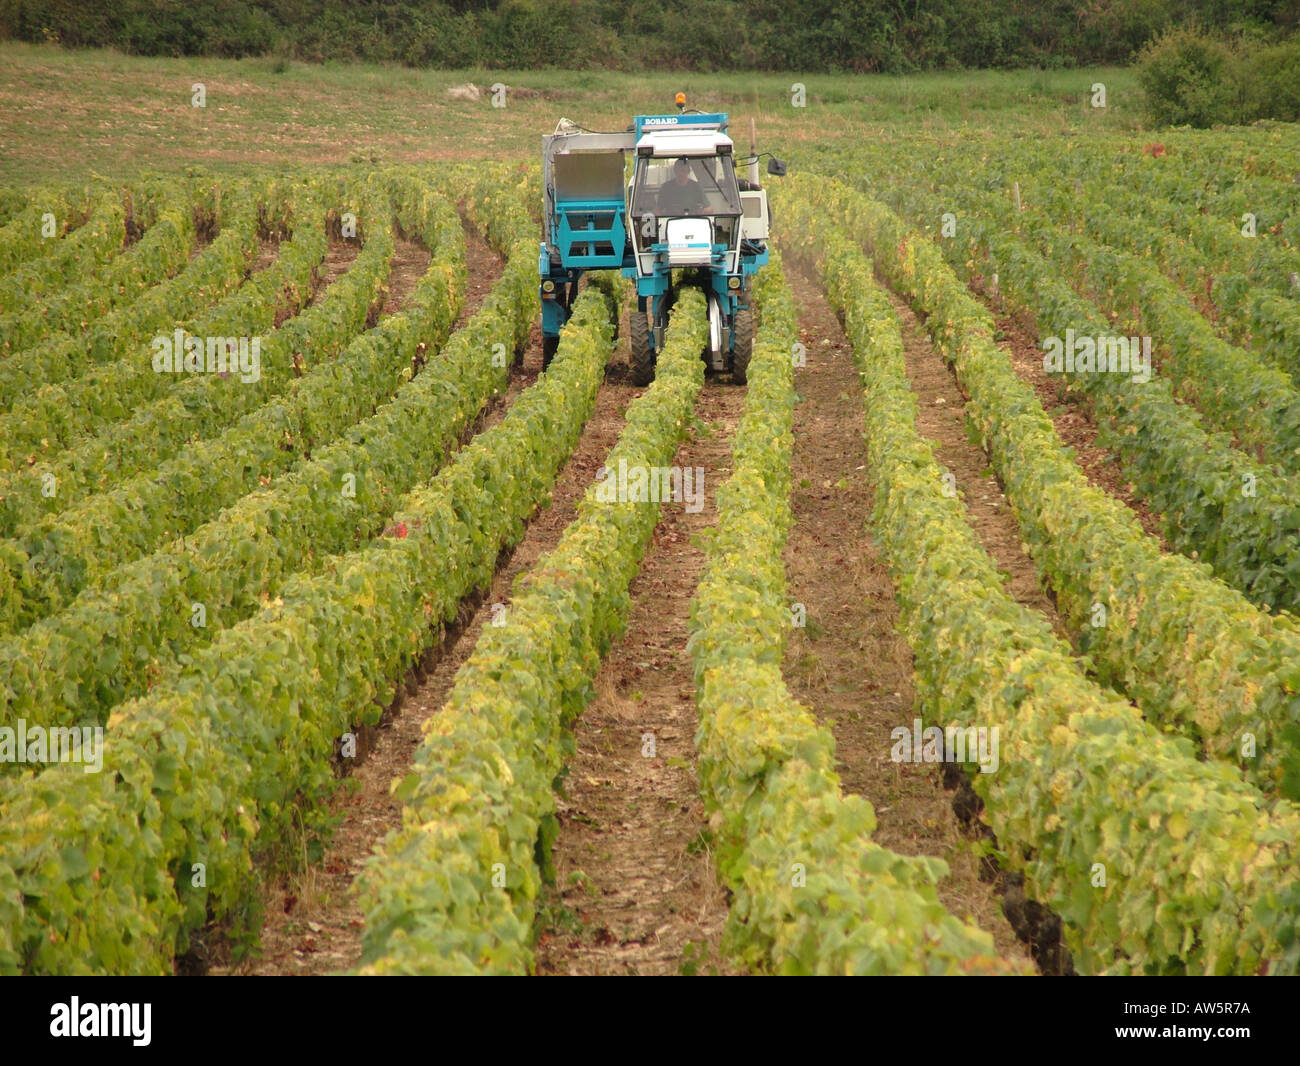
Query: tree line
x: 822, y: 36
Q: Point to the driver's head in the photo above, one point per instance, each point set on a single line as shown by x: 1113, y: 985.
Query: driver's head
x: 682, y: 170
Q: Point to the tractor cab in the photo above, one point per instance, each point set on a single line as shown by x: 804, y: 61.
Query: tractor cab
x: 684, y: 195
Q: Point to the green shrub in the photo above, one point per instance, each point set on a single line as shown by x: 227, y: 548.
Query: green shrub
x: 440, y: 38
x: 1188, y: 78
x: 1271, y: 82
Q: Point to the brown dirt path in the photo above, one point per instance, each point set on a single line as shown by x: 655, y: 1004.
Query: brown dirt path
x: 941, y: 420
x: 408, y: 265
x: 267, y: 250
x: 636, y: 892
x: 848, y: 664
x: 338, y: 261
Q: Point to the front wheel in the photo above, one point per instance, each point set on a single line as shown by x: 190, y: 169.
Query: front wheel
x: 742, y: 324
x: 642, y: 358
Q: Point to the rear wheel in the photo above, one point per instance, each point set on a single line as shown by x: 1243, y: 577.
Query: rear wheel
x: 743, y: 349
x: 642, y: 358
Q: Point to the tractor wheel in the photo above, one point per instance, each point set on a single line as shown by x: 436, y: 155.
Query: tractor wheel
x: 743, y: 327
x: 549, y: 347
x: 642, y: 358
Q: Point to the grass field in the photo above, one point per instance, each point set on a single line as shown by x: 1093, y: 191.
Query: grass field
x: 65, y: 114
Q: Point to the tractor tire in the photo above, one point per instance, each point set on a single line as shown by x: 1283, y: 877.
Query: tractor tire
x: 550, y: 345
x: 641, y: 358
x: 743, y: 349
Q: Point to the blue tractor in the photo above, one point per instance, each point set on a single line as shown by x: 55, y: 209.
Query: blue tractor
x: 679, y: 207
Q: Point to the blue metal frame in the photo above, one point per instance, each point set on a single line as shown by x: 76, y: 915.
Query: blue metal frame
x: 554, y: 313
x: 577, y: 225
x: 716, y: 119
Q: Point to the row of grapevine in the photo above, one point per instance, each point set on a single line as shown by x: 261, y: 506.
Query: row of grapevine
x: 1194, y: 653
x: 215, y: 271
x: 87, y: 248
x: 1155, y: 208
x: 129, y: 432
x: 1185, y: 193
x: 343, y: 494
x: 1234, y: 388
x: 54, y: 417
x: 1242, y: 274
x: 51, y: 560
x: 22, y: 237
x: 1247, y: 278
x: 168, y: 212
x: 454, y: 889
x: 1223, y: 175
x: 811, y: 892
x: 218, y: 764
x: 1155, y: 861
x: 1275, y: 325
x: 1217, y: 505
x: 212, y: 765
x: 13, y: 201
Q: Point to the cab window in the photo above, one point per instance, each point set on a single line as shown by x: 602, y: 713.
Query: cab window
x: 713, y: 179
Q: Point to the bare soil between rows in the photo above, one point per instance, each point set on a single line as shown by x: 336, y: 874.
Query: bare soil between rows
x: 848, y: 664
x: 636, y: 891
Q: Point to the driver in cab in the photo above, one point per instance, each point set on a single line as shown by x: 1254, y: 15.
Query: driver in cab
x: 682, y: 195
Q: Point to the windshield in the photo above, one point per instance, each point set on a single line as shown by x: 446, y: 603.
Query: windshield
x: 703, y: 185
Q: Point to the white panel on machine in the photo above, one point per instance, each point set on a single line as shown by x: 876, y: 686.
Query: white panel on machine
x: 754, y: 222
x: 690, y: 241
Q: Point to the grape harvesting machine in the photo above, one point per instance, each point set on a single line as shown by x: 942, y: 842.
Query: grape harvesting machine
x: 679, y: 206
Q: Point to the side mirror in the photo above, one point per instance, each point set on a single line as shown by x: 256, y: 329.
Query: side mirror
x: 776, y: 167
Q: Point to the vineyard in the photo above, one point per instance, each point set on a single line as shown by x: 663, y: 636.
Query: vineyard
x: 323, y: 648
